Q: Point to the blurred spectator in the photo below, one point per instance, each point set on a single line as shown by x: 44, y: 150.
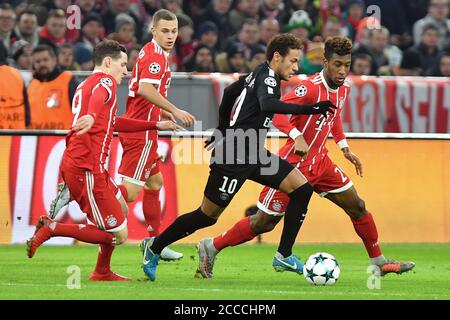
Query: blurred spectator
x: 132, y: 56
x: 312, y: 61
x: 91, y: 30
x: 410, y: 65
x: 271, y: 9
x: 207, y: 35
x: 382, y: 54
x: 328, y: 10
x: 267, y: 29
x: 258, y: 56
x: 217, y: 12
x: 7, y: 24
x: 50, y: 92
x: 331, y: 28
x: 114, y: 8
x: 233, y: 60
x: 248, y: 37
x: 427, y: 50
x: 437, y: 15
x: 361, y: 64
x: 353, y: 16
x: 173, y: 6
x: 300, y: 25
x: 87, y: 6
x: 394, y: 14
x: 294, y: 5
x: 184, y: 47
x: 53, y: 33
x: 83, y: 57
x: 245, y: 9
x: 442, y: 65
x: 21, y: 55
x: 14, y: 107
x: 27, y: 28
x: 125, y: 28
x: 202, y: 60
x: 66, y: 57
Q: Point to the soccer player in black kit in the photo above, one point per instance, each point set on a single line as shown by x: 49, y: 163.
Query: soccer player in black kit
x: 246, y: 112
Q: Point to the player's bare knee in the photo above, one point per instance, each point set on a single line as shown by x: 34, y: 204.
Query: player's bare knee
x: 155, y: 182
x: 262, y: 222
x: 121, y: 236
x: 132, y: 195
x: 358, y: 209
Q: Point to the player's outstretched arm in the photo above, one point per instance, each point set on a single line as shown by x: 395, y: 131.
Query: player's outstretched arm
x: 149, y: 92
x: 272, y: 104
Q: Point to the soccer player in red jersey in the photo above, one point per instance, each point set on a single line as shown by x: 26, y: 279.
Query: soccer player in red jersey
x: 148, y: 86
x: 83, y: 165
x: 327, y: 178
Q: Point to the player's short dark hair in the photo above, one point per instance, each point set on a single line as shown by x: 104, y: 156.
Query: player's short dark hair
x: 107, y: 48
x: 282, y: 43
x: 43, y: 48
x: 339, y: 45
x: 163, y: 14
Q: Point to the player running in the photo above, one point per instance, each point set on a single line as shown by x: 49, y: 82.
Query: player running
x: 241, y: 155
x: 83, y: 165
x: 148, y: 88
x: 327, y: 179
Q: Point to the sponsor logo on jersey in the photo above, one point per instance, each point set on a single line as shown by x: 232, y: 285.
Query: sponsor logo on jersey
x: 106, y: 81
x: 154, y: 67
x: 301, y: 91
x: 111, y: 221
x: 271, y: 82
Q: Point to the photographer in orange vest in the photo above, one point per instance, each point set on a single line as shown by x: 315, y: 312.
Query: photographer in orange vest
x: 14, y: 108
x: 50, y: 92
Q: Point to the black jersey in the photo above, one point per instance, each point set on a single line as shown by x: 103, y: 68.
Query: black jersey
x: 257, y: 86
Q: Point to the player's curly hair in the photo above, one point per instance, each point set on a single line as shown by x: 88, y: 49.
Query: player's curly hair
x: 339, y: 45
x: 282, y: 43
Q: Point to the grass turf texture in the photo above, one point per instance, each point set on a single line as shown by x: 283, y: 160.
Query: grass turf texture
x: 243, y: 272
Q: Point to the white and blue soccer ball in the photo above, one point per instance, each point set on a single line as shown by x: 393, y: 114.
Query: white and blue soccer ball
x: 321, y: 269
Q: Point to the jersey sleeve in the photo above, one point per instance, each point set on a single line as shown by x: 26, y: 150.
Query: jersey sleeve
x: 304, y: 93
x: 101, y: 94
x: 267, y: 86
x: 337, y: 130
x: 152, y: 66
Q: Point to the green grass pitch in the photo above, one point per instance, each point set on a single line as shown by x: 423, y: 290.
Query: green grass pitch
x: 243, y: 272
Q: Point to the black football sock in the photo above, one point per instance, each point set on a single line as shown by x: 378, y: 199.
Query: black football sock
x: 293, y: 218
x: 183, y: 226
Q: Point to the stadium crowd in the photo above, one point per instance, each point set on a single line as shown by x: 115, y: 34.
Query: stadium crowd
x: 411, y: 37
x: 396, y: 37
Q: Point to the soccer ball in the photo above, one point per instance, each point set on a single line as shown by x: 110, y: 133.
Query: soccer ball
x: 321, y: 269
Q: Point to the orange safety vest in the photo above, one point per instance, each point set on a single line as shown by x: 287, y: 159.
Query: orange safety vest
x: 50, y: 107
x: 12, y: 104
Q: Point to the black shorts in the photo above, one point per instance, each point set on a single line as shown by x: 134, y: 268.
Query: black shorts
x: 225, y: 180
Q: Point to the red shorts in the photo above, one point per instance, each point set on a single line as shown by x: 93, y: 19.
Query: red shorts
x: 97, y: 195
x: 325, y: 177
x: 140, y: 160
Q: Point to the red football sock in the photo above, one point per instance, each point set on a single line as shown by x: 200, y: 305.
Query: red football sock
x: 367, y: 230
x: 241, y: 232
x: 124, y: 192
x: 82, y: 232
x: 104, y: 259
x: 151, y: 206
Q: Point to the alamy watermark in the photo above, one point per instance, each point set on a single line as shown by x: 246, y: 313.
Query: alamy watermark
x: 74, y: 279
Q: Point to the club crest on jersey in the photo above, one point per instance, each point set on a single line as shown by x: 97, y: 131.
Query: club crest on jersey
x: 111, y: 221
x: 271, y: 82
x: 107, y: 81
x: 154, y: 67
x: 277, y: 205
x: 301, y: 91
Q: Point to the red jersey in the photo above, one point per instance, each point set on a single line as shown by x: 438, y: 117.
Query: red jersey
x: 315, y: 128
x: 151, y: 66
x: 90, y: 150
